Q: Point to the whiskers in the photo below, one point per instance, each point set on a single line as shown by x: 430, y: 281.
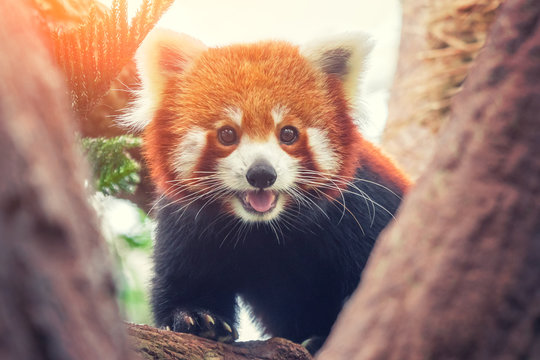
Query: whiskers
x: 318, y: 184
x: 200, y: 193
x: 307, y: 206
x: 204, y: 189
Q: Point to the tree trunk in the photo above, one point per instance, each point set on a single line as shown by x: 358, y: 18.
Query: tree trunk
x: 457, y: 276
x: 56, y: 290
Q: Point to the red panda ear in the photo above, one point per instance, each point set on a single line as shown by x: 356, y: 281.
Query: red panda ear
x: 344, y: 56
x: 162, y: 55
x: 165, y: 53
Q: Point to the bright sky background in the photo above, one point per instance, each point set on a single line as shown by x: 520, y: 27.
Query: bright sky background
x: 222, y: 22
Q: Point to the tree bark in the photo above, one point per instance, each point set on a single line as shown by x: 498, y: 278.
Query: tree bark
x: 56, y: 290
x: 457, y: 275
x: 152, y: 343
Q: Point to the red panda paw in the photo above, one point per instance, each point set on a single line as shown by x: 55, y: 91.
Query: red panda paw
x: 204, y: 324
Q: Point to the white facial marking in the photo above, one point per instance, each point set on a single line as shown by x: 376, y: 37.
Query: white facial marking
x: 232, y: 172
x: 232, y: 169
x: 235, y: 114
x: 188, y: 152
x: 322, y: 150
x: 278, y: 113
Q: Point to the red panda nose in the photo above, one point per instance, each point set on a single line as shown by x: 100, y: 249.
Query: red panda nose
x: 261, y: 174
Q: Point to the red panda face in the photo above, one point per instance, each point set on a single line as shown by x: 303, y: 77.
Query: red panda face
x: 247, y: 128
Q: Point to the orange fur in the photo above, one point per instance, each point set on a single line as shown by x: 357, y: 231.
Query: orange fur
x: 256, y: 78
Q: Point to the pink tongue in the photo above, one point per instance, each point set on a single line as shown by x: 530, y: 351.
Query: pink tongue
x: 261, y: 200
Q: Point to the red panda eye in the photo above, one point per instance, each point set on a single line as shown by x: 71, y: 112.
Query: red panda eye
x: 227, y: 135
x: 288, y: 135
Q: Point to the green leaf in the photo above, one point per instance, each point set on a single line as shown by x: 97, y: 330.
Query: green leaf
x: 114, y: 169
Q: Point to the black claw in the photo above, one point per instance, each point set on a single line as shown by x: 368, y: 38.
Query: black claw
x: 204, y: 324
x: 209, y: 321
x: 227, y: 327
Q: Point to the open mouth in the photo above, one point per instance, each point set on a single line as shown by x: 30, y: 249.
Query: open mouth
x: 259, y: 201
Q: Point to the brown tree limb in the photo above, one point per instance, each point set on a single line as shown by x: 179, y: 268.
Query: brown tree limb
x: 457, y: 276
x: 152, y: 343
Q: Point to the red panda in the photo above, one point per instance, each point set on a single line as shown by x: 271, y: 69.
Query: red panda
x: 267, y: 188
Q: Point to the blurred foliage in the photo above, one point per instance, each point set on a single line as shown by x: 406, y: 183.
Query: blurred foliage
x: 93, y: 54
x: 114, y: 169
x: 131, y: 249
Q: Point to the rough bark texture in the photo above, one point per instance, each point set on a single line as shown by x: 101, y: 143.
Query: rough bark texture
x: 152, y: 343
x: 56, y: 291
x: 457, y: 276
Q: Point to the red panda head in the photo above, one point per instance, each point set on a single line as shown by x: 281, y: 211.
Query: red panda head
x: 248, y: 127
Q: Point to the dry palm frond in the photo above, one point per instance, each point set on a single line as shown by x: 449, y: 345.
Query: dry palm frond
x: 93, y: 54
x: 457, y: 30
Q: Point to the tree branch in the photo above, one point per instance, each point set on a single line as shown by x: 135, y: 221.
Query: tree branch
x: 152, y: 343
